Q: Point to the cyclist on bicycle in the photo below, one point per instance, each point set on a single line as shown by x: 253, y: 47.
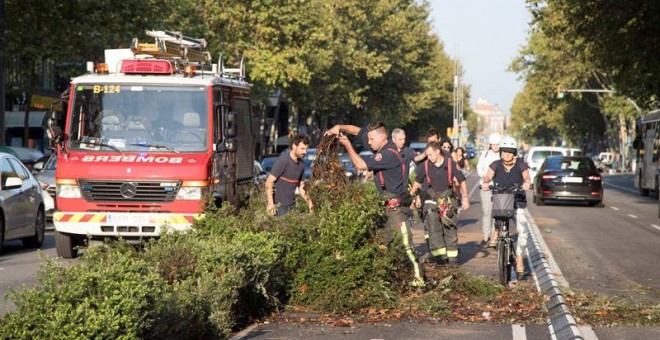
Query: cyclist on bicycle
x: 504, y: 173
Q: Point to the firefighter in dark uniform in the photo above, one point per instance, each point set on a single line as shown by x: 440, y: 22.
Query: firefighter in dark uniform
x: 287, y: 175
x: 390, y: 179
x: 440, y: 172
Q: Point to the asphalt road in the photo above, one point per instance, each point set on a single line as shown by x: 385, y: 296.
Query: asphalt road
x: 19, y: 266
x: 614, y: 250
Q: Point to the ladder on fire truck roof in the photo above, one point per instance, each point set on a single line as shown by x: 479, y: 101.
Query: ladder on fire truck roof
x: 171, y: 44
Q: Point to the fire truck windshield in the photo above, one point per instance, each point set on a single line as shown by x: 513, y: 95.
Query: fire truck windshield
x: 130, y: 118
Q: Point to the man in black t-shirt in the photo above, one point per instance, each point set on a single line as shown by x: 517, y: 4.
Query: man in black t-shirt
x: 440, y: 173
x: 287, y: 175
x: 390, y: 179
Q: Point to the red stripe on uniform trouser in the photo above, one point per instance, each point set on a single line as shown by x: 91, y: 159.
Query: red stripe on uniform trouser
x: 409, y: 250
x: 289, y: 180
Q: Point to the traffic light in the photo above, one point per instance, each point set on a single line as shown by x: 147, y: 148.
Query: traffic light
x: 560, y: 92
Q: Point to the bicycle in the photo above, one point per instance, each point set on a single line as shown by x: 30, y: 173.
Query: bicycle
x: 503, y: 211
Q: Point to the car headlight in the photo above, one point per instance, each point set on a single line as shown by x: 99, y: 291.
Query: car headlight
x: 189, y: 193
x: 68, y: 191
x: 348, y: 174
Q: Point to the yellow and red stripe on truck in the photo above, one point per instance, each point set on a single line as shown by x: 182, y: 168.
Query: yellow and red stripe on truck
x: 103, y: 218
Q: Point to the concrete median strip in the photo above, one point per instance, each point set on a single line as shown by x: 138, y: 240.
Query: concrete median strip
x: 549, y: 279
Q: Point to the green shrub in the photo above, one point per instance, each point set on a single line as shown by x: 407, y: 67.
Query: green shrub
x: 335, y: 260
x: 230, y: 268
x: 218, y: 280
x: 112, y: 294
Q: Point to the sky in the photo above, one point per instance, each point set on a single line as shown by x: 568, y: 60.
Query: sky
x: 486, y: 35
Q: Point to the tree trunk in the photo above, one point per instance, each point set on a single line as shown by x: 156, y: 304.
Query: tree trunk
x: 26, y: 118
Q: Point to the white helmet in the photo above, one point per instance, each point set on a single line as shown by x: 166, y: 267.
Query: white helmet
x: 494, y: 138
x: 509, y: 144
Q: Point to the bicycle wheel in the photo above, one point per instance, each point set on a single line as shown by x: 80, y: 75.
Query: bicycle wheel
x: 503, y: 261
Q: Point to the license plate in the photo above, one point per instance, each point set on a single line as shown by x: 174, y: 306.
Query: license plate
x: 127, y: 219
x: 571, y: 179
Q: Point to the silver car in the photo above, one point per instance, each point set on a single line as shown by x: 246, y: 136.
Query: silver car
x: 44, y: 171
x: 21, y: 204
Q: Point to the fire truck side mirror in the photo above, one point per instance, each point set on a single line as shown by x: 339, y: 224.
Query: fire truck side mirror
x: 52, y: 130
x: 230, y: 124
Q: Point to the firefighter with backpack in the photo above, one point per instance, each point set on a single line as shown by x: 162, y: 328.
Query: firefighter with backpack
x: 440, y: 203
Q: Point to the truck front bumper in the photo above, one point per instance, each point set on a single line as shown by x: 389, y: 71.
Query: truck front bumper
x: 113, y: 224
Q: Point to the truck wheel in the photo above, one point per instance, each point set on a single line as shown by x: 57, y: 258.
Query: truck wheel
x: 36, y: 240
x: 66, y: 245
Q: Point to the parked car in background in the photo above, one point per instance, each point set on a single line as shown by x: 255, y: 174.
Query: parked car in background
x: 349, y: 168
x: 259, y: 173
x: 44, y: 171
x: 470, y: 152
x: 366, y: 154
x: 418, y: 147
x: 28, y: 156
x: 570, y: 178
x: 308, y: 162
x: 311, y: 154
x: 21, y: 201
x: 267, y: 162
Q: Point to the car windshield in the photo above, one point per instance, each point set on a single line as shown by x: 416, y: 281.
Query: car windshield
x: 576, y: 164
x: 51, y: 164
x: 139, y: 118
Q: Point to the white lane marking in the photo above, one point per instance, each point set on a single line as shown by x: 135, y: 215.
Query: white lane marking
x: 518, y: 332
x: 632, y: 216
x: 473, y: 189
x: 652, y: 225
x: 615, y: 208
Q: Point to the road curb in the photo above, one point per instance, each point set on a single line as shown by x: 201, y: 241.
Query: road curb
x: 561, y: 323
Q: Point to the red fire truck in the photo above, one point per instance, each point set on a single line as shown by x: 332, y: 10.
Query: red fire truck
x: 150, y: 135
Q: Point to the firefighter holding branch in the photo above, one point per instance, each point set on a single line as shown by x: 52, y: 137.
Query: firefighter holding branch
x: 390, y: 179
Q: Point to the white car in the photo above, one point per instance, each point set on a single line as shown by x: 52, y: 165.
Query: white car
x: 537, y: 154
x: 21, y: 201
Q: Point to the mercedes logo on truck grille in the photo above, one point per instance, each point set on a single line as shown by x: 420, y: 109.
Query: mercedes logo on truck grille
x: 128, y: 190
